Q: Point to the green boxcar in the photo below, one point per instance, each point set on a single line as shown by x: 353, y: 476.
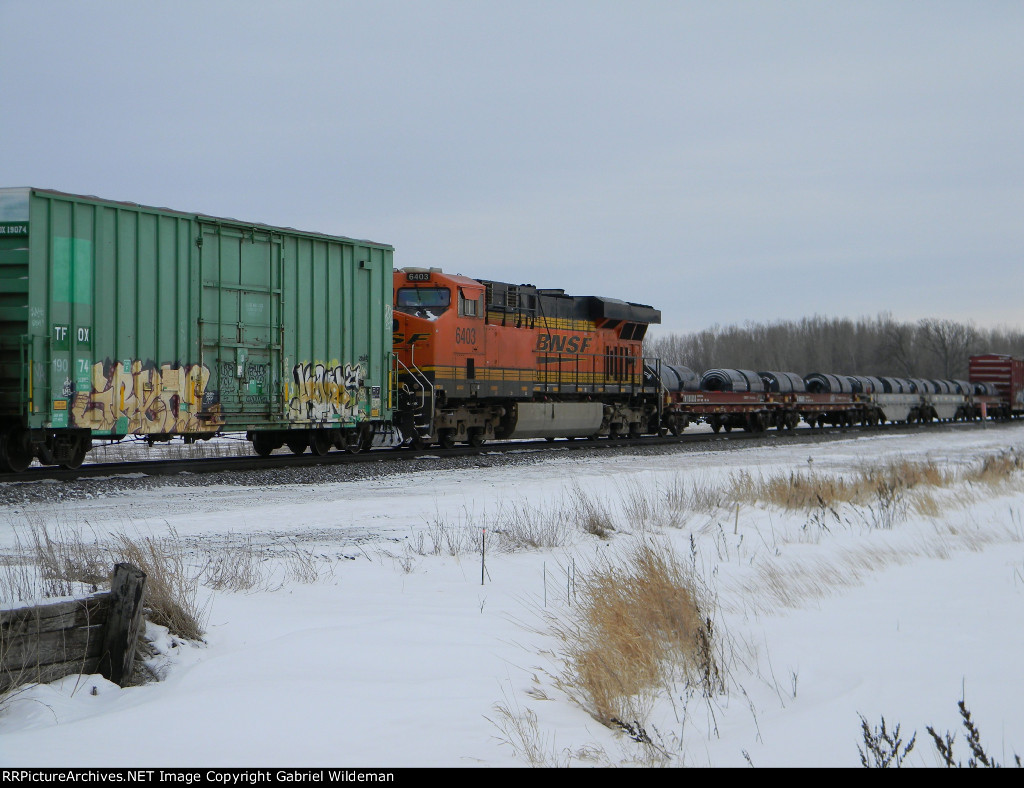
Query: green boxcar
x: 118, y: 319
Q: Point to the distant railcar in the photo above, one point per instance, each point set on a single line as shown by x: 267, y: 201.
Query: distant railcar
x: 1006, y: 375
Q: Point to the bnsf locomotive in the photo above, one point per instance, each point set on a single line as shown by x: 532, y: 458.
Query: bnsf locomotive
x: 120, y: 320
x: 480, y: 360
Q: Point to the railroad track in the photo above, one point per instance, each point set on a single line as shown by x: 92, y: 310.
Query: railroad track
x: 248, y: 463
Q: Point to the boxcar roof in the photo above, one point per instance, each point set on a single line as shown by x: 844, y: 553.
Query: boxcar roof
x: 208, y: 218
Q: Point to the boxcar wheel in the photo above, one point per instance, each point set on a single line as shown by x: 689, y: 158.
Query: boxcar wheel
x: 297, y: 444
x: 74, y: 462
x: 263, y: 444
x: 15, y: 453
x: 320, y: 442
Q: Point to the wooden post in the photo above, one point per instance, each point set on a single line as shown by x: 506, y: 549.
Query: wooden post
x: 127, y: 589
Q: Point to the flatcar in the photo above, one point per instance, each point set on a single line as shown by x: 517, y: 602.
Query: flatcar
x: 755, y: 401
x: 119, y: 319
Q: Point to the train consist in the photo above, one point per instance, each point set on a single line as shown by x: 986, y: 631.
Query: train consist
x: 119, y: 320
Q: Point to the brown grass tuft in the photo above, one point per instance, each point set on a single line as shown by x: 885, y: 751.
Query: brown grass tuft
x: 592, y: 514
x: 637, y: 625
x: 172, y: 585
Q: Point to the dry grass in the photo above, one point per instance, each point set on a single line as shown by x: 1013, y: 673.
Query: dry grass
x: 520, y: 730
x: 695, y: 496
x: 172, y: 584
x: 53, y: 563
x: 239, y: 566
x: 524, y: 526
x: 637, y: 625
x: 514, y: 527
x: 60, y: 561
x: 591, y: 513
x: 791, y: 583
x: 887, y: 493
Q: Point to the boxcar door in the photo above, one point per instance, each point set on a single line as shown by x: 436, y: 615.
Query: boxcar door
x: 240, y: 323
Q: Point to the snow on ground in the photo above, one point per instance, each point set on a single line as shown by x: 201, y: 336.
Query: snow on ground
x: 398, y: 657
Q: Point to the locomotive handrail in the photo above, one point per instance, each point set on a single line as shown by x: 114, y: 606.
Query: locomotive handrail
x: 421, y: 380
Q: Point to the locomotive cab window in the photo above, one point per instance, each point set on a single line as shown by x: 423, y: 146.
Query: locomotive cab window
x: 469, y: 307
x: 423, y: 301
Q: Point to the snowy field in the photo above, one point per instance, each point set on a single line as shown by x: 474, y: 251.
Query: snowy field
x: 381, y: 646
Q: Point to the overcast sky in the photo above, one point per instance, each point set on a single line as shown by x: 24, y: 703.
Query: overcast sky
x: 721, y: 161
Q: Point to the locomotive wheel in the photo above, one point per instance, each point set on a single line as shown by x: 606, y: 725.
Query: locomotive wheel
x: 297, y: 443
x: 74, y: 462
x: 320, y: 442
x: 15, y: 452
x: 446, y: 439
x: 673, y: 427
x: 419, y: 442
x: 476, y: 438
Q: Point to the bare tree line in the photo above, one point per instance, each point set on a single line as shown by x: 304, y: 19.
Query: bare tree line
x: 929, y: 348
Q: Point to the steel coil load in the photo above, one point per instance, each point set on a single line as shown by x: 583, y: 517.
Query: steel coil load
x: 678, y: 378
x: 824, y: 383
x: 986, y: 390
x: 731, y: 380
x: 861, y: 384
x: 782, y: 382
x: 895, y: 385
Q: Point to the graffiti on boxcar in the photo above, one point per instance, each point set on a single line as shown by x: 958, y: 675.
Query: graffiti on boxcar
x: 250, y: 386
x: 325, y: 392
x: 139, y: 398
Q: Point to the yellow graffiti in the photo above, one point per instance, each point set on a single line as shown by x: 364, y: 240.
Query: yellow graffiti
x: 324, y: 392
x: 167, y: 401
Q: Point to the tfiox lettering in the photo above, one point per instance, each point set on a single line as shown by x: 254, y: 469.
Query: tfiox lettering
x: 554, y: 343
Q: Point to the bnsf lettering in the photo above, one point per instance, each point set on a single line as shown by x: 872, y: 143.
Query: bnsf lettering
x: 553, y: 343
x: 465, y: 336
x: 398, y: 338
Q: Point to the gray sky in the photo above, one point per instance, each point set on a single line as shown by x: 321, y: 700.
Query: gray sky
x: 722, y: 161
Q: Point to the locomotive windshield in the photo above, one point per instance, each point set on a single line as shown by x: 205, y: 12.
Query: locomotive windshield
x: 422, y: 300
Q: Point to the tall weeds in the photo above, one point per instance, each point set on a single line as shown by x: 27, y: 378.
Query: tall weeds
x: 887, y: 492
x: 172, y: 583
x: 638, y: 624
